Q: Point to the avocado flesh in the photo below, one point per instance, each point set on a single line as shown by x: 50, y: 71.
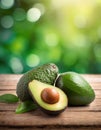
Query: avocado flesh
x: 78, y: 90
x: 46, y: 73
x: 35, y: 89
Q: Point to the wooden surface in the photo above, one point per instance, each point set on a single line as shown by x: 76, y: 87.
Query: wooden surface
x: 73, y: 118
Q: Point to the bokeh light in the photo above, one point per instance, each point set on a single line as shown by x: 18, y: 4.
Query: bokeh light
x: 7, y: 21
x: 41, y: 7
x: 66, y: 32
x: 19, y: 14
x: 80, y: 21
x: 33, y: 14
x: 51, y: 39
x: 6, y: 4
x: 16, y: 65
x: 32, y: 60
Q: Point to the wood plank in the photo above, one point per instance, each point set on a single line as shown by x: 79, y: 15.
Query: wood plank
x: 96, y: 86
x: 85, y: 118
x: 8, y: 91
x: 10, y: 81
x: 8, y: 106
x: 53, y: 128
x: 6, y: 79
x: 10, y: 76
x: 88, y: 77
x: 40, y: 119
x: 95, y: 78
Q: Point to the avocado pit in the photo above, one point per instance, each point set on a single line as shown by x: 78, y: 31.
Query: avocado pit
x: 50, y: 95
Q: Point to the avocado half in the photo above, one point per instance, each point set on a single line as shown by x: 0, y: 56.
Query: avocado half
x: 78, y: 90
x: 35, y: 90
x: 46, y: 73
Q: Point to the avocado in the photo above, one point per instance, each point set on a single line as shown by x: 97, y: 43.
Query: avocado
x: 46, y: 73
x: 78, y: 90
x: 50, y: 99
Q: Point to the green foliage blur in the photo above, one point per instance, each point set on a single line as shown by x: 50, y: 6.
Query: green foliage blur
x: 35, y: 32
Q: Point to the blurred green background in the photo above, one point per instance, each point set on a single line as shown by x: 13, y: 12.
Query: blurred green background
x: 35, y: 32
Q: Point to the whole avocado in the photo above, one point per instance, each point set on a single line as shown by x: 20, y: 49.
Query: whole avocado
x: 46, y: 73
x: 78, y: 90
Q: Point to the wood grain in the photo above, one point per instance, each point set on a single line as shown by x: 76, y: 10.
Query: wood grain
x: 73, y: 118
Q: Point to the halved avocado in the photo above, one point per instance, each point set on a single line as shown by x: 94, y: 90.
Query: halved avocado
x: 36, y: 88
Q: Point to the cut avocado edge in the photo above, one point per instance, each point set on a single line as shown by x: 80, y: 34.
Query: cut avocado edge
x: 35, y: 88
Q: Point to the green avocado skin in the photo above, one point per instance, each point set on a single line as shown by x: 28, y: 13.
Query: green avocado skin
x: 46, y: 73
x: 78, y: 90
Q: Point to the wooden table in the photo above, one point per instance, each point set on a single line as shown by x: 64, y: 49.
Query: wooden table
x: 73, y: 118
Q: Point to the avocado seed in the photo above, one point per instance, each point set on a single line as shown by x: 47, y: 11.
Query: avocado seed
x: 50, y: 95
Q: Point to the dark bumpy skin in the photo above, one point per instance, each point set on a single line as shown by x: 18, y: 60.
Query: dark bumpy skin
x: 46, y: 73
x: 78, y: 90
